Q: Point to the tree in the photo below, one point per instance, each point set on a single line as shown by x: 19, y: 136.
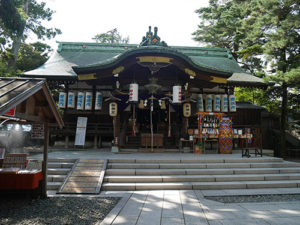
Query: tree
x: 32, y: 14
x: 263, y: 33
x: 112, y: 36
x: 31, y: 56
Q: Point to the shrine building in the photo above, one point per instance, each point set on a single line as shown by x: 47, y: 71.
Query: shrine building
x: 150, y: 96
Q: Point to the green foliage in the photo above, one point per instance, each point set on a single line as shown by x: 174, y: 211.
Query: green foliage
x: 32, y: 56
x: 264, y: 36
x: 112, y: 36
x: 18, y: 20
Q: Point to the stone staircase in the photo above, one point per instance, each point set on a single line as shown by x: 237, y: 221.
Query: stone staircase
x: 58, y: 170
x: 206, y: 173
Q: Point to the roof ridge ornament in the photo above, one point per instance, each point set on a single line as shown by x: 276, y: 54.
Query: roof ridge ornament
x: 152, y: 39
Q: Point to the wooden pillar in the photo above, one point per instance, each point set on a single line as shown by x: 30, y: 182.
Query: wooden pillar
x: 67, y: 142
x: 116, y: 121
x: 45, y: 160
x: 95, y: 141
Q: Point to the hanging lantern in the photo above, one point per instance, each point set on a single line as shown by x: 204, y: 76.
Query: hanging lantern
x: 232, y: 103
x: 177, y: 94
x: 208, y: 103
x: 141, y: 104
x: 217, y: 103
x: 71, y: 100
x: 88, y: 100
x: 62, y: 100
x: 187, y: 109
x: 80, y: 101
x: 113, y: 109
x: 200, y: 107
x: 163, y: 104
x: 224, y: 103
x: 133, y: 92
x: 98, y: 102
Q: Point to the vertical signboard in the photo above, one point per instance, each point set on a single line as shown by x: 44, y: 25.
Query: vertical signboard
x: 37, y: 131
x: 80, y: 131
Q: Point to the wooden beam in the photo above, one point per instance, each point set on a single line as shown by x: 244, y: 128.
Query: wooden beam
x: 27, y: 117
x: 45, y: 160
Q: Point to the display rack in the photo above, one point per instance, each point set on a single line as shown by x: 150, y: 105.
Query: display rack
x: 208, y: 127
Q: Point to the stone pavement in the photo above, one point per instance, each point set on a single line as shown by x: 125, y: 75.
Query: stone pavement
x: 189, y: 207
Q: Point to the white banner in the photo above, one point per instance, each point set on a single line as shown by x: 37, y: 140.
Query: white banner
x: 62, y: 100
x: 71, y: 100
x: 98, y: 102
x: 217, y: 103
x: 224, y: 103
x: 80, y: 101
x: 133, y: 92
x: 88, y: 100
x: 208, y: 103
x: 232, y: 103
x: 80, y: 131
x: 176, y: 94
x: 200, y: 103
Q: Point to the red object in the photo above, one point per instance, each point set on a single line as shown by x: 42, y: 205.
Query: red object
x: 28, y: 181
x: 11, y: 112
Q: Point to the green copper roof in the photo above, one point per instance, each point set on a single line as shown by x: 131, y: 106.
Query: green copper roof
x: 217, y: 61
x: 84, y: 57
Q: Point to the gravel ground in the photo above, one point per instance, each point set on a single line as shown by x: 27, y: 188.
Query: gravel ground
x: 255, y: 198
x: 55, y: 210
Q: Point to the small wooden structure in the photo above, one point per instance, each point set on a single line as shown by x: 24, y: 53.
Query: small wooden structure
x: 31, y: 102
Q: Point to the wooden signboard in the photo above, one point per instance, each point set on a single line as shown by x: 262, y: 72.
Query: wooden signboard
x: 37, y: 131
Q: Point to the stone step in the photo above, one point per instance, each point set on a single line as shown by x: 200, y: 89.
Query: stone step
x: 201, y: 185
x: 205, y: 160
x: 56, y: 178
x: 58, y: 171
x: 61, y: 160
x: 86, y: 190
x: 60, y: 164
x: 54, y: 185
x: 198, y: 165
x: 200, y: 178
x: 223, y: 171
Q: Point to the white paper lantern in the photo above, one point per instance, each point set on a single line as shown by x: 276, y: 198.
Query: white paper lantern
x: 232, y: 103
x: 208, y: 103
x: 88, y: 100
x: 62, y: 100
x: 113, y: 109
x: 98, y: 102
x: 80, y: 101
x: 200, y: 103
x: 177, y: 94
x: 71, y: 100
x: 187, y: 109
x: 224, y: 103
x: 133, y: 92
x: 217, y: 103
